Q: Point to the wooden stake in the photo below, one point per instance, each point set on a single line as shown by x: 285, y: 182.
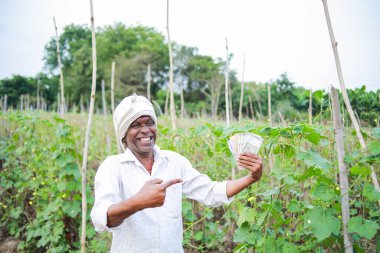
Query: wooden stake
x: 251, y: 107
x: 282, y: 119
x: 119, y: 148
x: 149, y: 77
x: 38, y: 95
x: 311, y: 107
x: 88, y: 131
x: 113, y: 86
x: 5, y: 103
x: 108, y: 141
x: 171, y: 75
x: 242, y: 91
x: 183, y: 111
x: 62, y: 106
x: 269, y: 107
x: 104, y: 99
x: 343, y: 172
x: 344, y: 92
x: 226, y: 87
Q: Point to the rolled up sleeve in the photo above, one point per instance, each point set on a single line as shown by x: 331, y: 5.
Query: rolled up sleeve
x: 201, y: 188
x: 107, y: 193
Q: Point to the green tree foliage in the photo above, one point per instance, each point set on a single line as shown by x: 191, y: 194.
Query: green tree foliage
x: 133, y: 48
x: 18, y: 85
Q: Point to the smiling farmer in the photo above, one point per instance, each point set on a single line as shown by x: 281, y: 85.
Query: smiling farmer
x: 138, y: 194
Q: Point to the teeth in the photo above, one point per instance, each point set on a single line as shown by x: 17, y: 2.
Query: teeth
x: 145, y: 139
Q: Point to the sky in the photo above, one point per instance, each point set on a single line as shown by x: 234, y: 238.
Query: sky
x: 274, y: 36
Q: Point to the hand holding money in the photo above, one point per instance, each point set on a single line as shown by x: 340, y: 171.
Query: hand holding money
x: 251, y: 162
x: 244, y: 147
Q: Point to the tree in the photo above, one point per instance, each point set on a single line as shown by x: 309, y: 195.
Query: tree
x: 135, y: 45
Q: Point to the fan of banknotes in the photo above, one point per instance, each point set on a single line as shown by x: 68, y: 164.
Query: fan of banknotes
x: 244, y: 142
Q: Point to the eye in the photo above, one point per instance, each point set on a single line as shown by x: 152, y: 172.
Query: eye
x: 135, y: 126
x: 150, y: 123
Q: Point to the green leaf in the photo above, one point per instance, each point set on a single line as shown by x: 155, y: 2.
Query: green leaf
x: 318, y: 95
x: 349, y: 158
x: 247, y: 214
x: 322, y: 222
x: 242, y: 233
x: 64, y: 158
x: 270, y: 192
x: 374, y: 147
x: 293, y: 207
x: 370, y: 192
x: 313, y: 138
x: 360, y: 170
x: 314, y: 159
x: 376, y: 132
x: 198, y: 236
x: 323, y: 192
x: 289, y: 248
x: 16, y: 212
x: 365, y: 228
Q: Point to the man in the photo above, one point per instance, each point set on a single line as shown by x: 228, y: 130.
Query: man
x: 138, y: 194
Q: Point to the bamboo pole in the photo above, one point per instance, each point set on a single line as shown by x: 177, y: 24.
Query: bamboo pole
x: 5, y: 103
x: 113, y: 86
x: 38, y: 95
x: 104, y: 98
x: 311, y: 107
x: 251, y: 107
x: 269, y: 106
x: 183, y: 111
x: 242, y: 91
x: 62, y: 106
x: 108, y: 141
x: 226, y: 86
x: 87, y: 139
x: 21, y: 102
x: 282, y: 119
x: 344, y: 92
x: 149, y: 77
x: 343, y: 172
x: 119, y: 148
x: 166, y: 101
x: 171, y: 74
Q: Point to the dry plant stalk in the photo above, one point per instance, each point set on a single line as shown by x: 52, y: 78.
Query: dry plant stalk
x: 227, y: 77
x: 113, y: 86
x: 119, y: 149
x: 343, y: 172
x: 311, y: 107
x: 149, y: 77
x: 87, y: 139
x: 108, y: 141
x: 62, y: 103
x: 171, y: 75
x: 269, y: 107
x: 251, y: 107
x: 344, y: 92
x: 242, y: 91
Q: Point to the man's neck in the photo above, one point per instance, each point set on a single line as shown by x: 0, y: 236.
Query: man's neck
x: 146, y: 161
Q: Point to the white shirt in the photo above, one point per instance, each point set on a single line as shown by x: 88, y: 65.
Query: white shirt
x: 153, y: 229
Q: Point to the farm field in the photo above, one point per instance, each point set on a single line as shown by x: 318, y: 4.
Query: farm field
x: 295, y: 207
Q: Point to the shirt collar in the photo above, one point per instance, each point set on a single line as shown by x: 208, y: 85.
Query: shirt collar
x: 128, y: 156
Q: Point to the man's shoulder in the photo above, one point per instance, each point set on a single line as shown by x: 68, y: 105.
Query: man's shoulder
x: 172, y: 155
x: 112, y: 160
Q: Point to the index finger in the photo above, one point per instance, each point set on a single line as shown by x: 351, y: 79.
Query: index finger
x: 171, y: 182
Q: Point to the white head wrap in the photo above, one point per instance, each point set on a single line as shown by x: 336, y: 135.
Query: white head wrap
x: 130, y: 109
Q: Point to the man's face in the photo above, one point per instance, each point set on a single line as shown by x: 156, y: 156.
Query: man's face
x: 141, y: 136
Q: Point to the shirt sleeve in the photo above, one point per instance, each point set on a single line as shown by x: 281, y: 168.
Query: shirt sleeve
x: 201, y: 188
x: 107, y: 193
